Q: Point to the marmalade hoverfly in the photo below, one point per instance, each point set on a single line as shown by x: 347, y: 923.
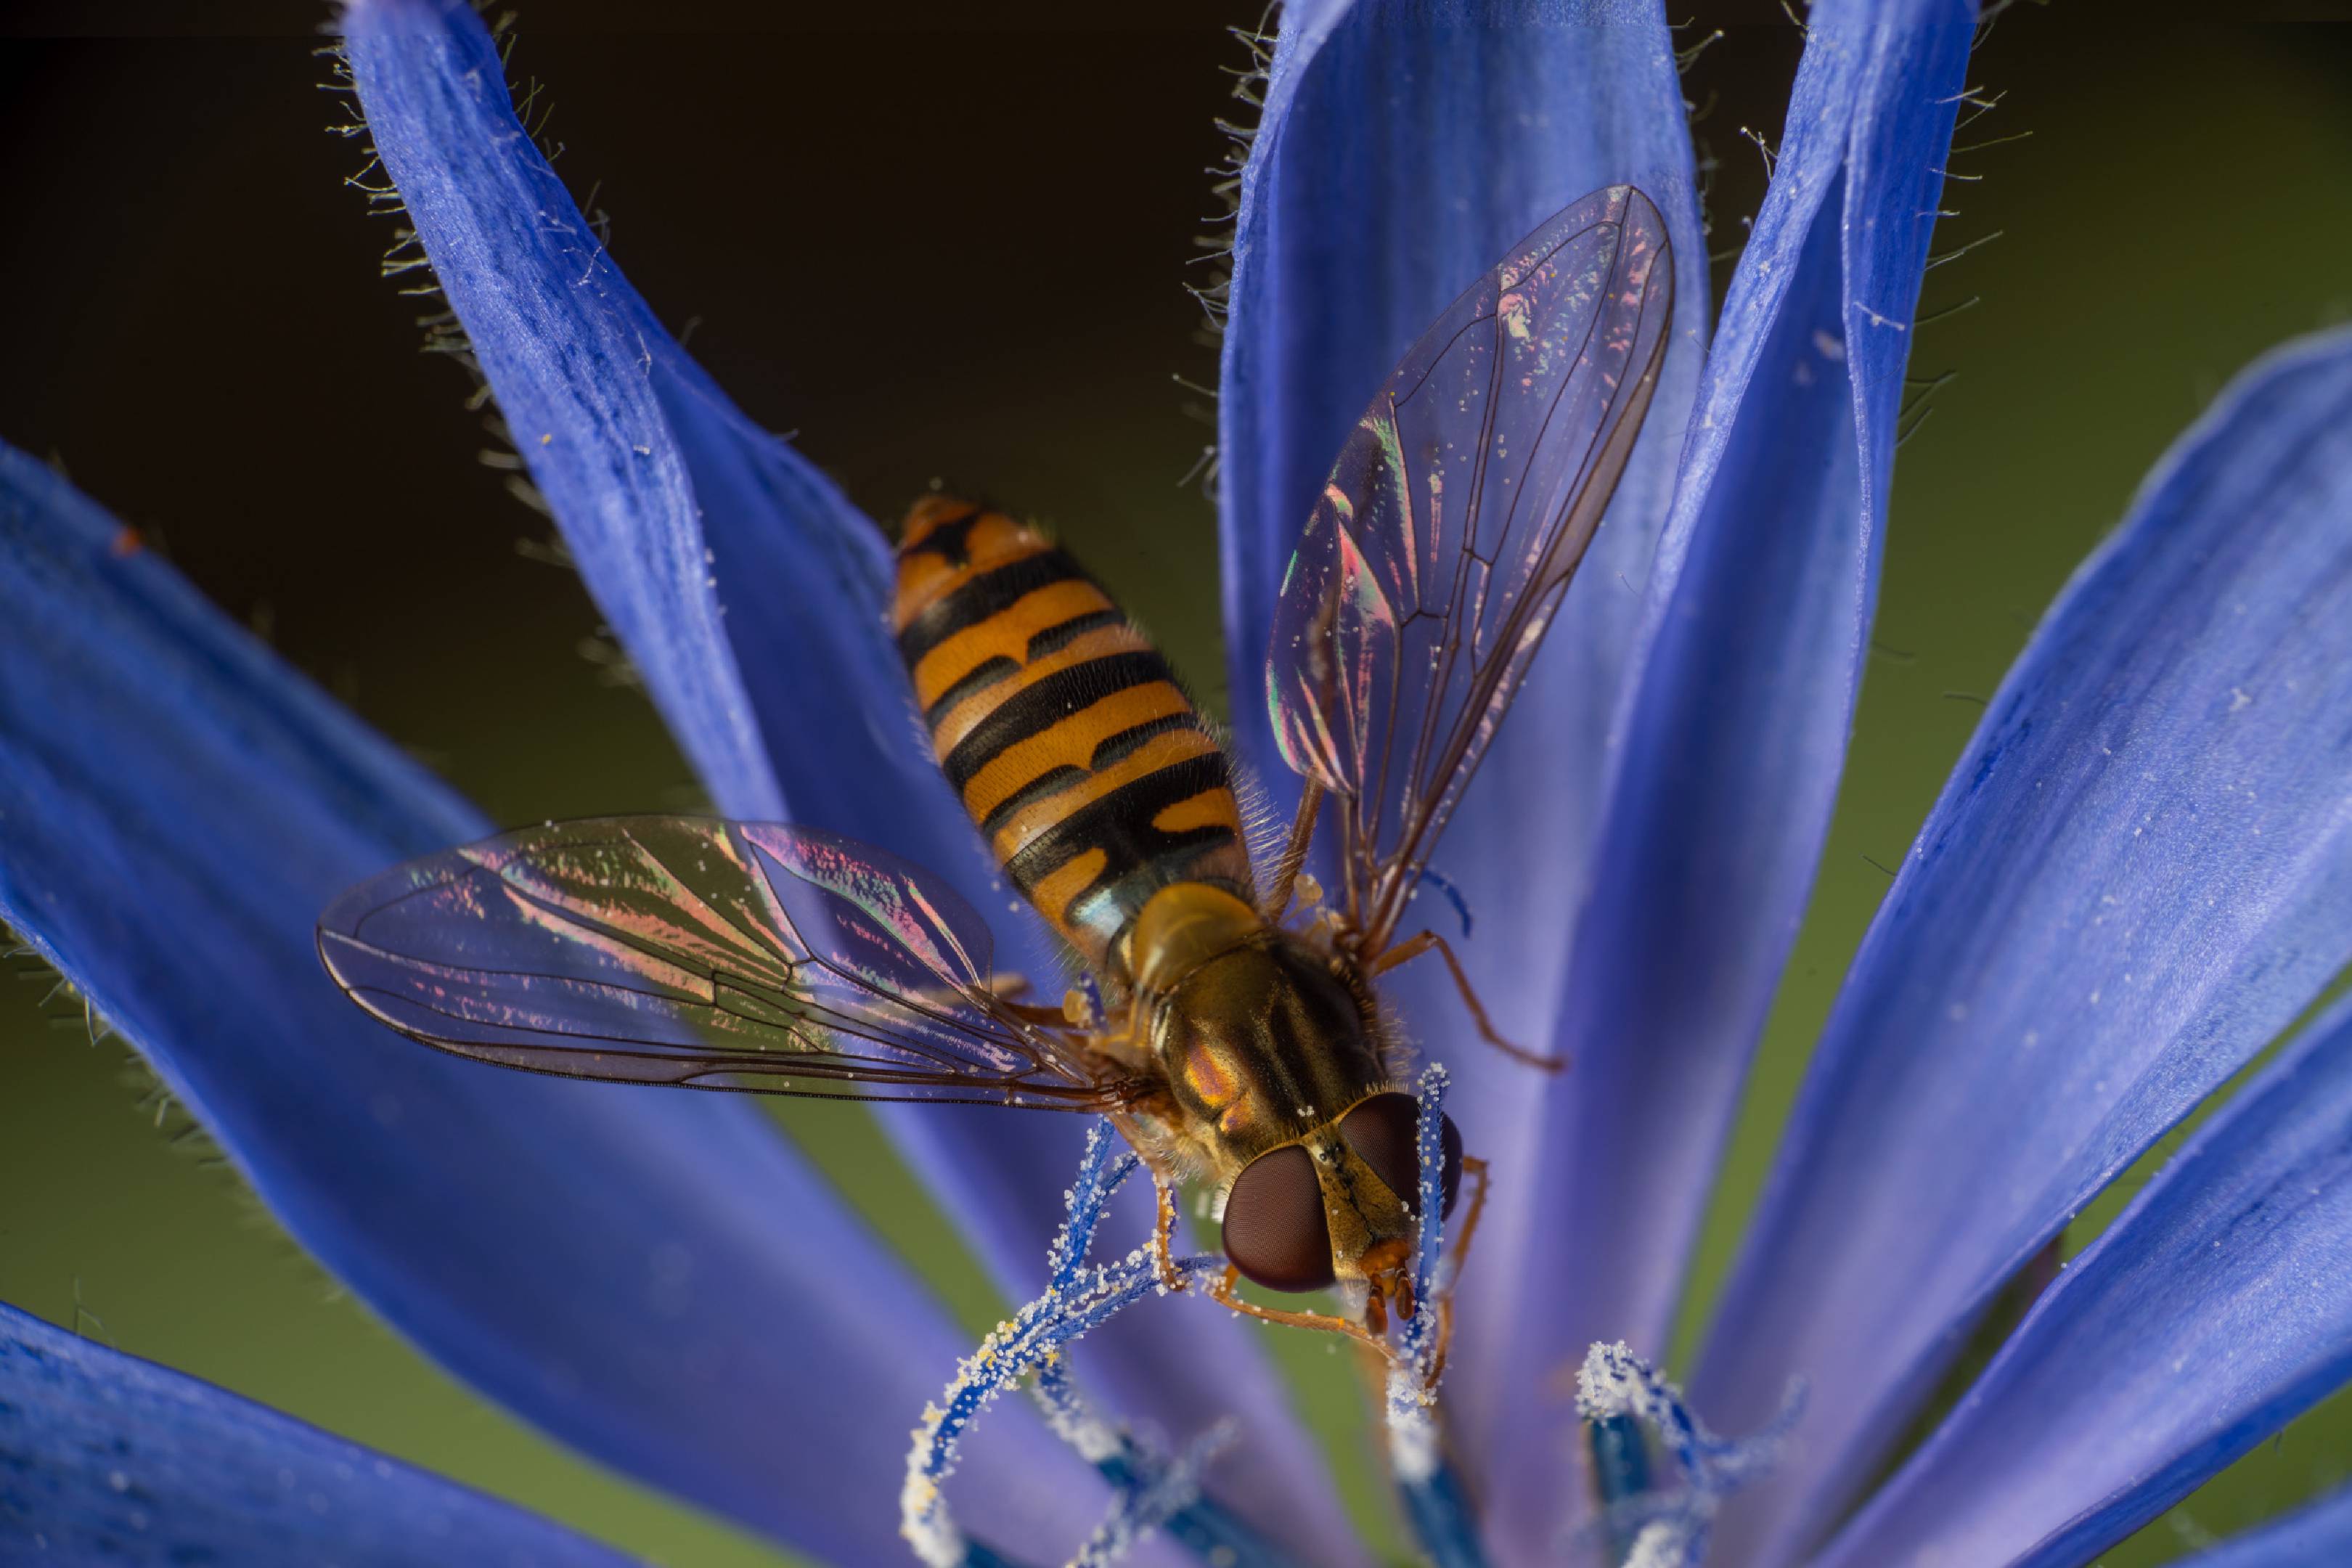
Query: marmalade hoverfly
x: 1233, y: 1033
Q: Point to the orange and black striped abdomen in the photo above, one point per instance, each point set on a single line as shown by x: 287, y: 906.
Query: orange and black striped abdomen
x: 1063, y: 729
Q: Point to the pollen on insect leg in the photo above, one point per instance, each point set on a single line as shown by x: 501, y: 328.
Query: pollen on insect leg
x: 1620, y: 1396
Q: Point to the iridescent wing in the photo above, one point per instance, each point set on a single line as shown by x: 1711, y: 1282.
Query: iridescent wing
x: 1451, y: 525
x: 702, y: 954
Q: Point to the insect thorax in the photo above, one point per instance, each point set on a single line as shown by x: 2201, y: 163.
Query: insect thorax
x: 1259, y: 1038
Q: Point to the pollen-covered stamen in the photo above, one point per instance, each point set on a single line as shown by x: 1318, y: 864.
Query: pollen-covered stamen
x: 1434, y: 1498
x: 1153, y: 1491
x: 1420, y: 1360
x: 1620, y: 1456
x: 1651, y: 1527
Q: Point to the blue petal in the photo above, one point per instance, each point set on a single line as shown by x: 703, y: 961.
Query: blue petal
x: 1728, y: 763
x: 108, y: 1458
x: 2140, y: 872
x: 754, y: 597
x: 654, y: 1278
x: 747, y: 589
x: 2217, y: 1307
x: 1404, y: 148
x: 2318, y: 1536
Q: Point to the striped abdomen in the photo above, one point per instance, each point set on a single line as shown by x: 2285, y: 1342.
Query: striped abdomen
x: 1083, y: 762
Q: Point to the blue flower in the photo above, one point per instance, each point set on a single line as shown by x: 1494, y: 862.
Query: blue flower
x: 2139, y: 876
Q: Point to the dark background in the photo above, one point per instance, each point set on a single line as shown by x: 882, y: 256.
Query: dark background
x: 956, y: 249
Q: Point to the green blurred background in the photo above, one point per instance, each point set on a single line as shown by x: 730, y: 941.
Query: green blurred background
x: 956, y: 249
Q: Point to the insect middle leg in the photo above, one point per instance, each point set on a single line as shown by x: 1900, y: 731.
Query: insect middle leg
x: 1165, y: 1183
x: 1222, y: 1289
x: 1413, y: 947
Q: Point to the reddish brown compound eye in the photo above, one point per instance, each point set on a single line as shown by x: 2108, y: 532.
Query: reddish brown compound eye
x: 1275, y: 1230
x: 1381, y: 1131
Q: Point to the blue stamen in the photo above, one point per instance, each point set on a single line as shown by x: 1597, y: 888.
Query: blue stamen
x: 1617, y: 1393
x: 1453, y: 895
x: 1621, y: 1457
x: 1420, y: 1338
x: 1441, y: 1519
x: 1435, y: 1501
x: 1621, y: 1470
x: 976, y: 1555
x: 1153, y: 1492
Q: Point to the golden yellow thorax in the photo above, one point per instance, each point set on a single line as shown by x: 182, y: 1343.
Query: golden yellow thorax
x: 1182, y: 927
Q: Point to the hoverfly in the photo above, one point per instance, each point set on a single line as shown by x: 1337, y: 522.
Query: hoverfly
x: 1232, y: 1031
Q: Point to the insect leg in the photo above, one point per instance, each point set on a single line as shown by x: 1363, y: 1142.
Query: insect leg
x: 1294, y: 852
x: 1477, y: 1170
x: 1413, y: 947
x: 1163, y: 1232
x: 1031, y: 1013
x: 1222, y: 1290
x: 998, y: 995
x: 1165, y: 1184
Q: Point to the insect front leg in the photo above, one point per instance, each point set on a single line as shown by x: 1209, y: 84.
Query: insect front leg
x: 1163, y: 1231
x: 1225, y: 1292
x: 1413, y: 947
x: 1477, y: 1170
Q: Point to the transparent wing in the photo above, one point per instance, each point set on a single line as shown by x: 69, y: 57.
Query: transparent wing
x: 704, y: 954
x: 1451, y: 526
